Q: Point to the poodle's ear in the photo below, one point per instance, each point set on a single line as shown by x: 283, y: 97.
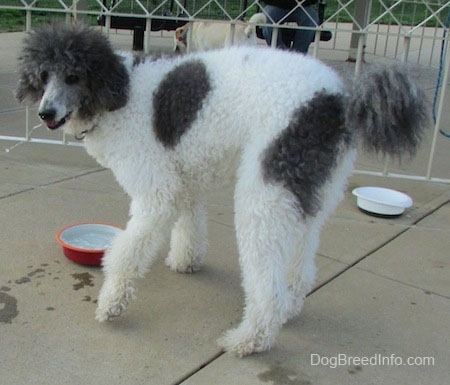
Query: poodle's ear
x: 30, y: 85
x: 27, y: 89
x: 112, y: 80
x: 107, y: 76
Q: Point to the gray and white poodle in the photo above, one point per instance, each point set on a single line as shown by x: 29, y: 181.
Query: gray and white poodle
x: 282, y: 126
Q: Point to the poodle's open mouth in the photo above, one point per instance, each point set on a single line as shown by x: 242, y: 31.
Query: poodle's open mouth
x: 53, y: 124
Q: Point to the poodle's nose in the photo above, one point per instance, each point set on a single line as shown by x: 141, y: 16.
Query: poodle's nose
x: 47, y: 115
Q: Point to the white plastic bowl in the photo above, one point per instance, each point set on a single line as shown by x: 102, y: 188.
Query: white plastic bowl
x: 382, y: 201
x: 85, y: 243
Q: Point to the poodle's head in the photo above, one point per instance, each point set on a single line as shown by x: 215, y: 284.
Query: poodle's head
x: 73, y: 72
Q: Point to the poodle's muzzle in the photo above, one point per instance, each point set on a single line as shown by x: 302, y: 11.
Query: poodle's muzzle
x: 48, y: 116
x: 58, y: 102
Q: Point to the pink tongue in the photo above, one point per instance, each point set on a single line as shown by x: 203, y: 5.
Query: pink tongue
x: 52, y: 124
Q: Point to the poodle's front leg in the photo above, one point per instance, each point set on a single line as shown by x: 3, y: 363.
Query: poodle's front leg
x: 129, y: 257
x: 189, y: 243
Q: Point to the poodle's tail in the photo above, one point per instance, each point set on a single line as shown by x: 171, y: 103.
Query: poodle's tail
x: 388, y: 111
x: 259, y: 18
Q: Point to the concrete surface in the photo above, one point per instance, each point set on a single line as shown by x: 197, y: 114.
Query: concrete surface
x: 382, y: 292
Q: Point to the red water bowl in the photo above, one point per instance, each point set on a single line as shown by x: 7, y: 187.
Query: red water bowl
x: 86, y: 243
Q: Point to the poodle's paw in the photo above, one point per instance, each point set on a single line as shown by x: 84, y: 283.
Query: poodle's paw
x: 186, y: 264
x: 296, y: 306
x: 113, y: 300
x: 102, y: 315
x: 245, y: 340
x: 295, y: 310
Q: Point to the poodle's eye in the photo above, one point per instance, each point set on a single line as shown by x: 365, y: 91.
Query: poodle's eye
x: 44, y: 76
x: 72, y: 79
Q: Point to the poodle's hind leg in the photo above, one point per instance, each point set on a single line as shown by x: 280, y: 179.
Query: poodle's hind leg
x: 128, y: 258
x: 188, y: 244
x: 302, y: 269
x: 267, y: 226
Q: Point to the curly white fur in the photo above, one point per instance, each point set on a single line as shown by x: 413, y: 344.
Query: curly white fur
x: 234, y: 125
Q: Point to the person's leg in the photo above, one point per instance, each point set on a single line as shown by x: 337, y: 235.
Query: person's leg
x: 273, y: 15
x: 306, y: 17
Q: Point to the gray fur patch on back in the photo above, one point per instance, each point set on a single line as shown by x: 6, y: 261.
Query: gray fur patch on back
x: 178, y: 99
x: 302, y: 157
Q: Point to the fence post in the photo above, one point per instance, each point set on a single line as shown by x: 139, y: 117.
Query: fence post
x: 359, y: 59
x: 440, y: 111
x: 362, y: 17
x: 148, y: 30
x: 316, y: 42
x: 189, y: 37
x: 108, y: 23
x: 275, y: 33
x: 232, y: 32
x: 28, y: 19
x: 406, y: 46
x: 80, y: 5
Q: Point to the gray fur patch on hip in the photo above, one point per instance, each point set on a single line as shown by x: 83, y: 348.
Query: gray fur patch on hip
x: 178, y: 99
x: 303, y: 156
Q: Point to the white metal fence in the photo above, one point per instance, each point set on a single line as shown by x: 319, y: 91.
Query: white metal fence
x: 415, y: 31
